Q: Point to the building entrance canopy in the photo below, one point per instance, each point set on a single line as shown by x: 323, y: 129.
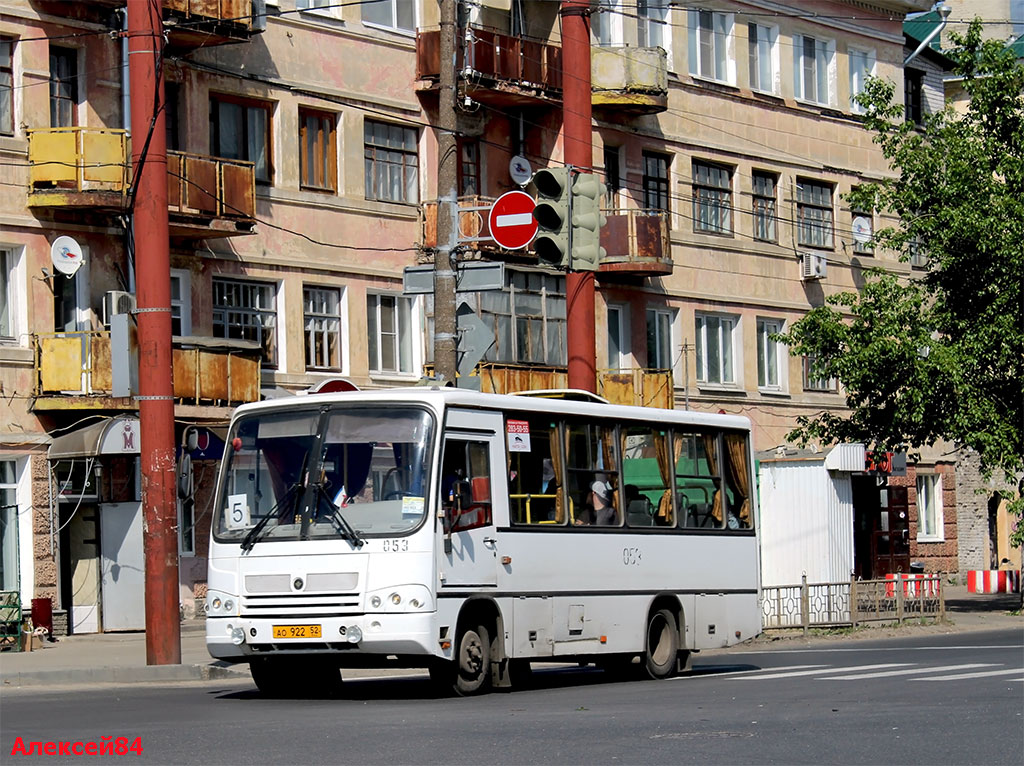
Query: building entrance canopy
x: 116, y: 436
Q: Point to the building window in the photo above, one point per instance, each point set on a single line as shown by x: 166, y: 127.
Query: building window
x: 8, y: 295
x: 652, y: 24
x: 813, y: 66
x: 863, y: 227
x: 771, y: 355
x: 393, y: 14
x: 529, y: 319
x: 181, y: 302
x: 712, y: 198
x: 929, y: 508
x: 612, y: 177
x: 862, y: 66
x: 392, y: 164
x: 606, y: 23
x: 814, y: 213
x: 9, y: 575
x: 6, y: 86
x: 63, y: 87
x: 659, y: 339
x: 390, y: 331
x: 469, y: 167
x: 913, y: 95
x: 172, y: 122
x: 318, y: 157
x: 246, y: 311
x: 318, y: 7
x: 710, y: 43
x: 655, y: 181
x: 764, y: 195
x: 618, y: 337
x: 322, y: 315
x: 715, y: 349
x: 813, y: 380
x: 240, y: 130
x: 763, y: 48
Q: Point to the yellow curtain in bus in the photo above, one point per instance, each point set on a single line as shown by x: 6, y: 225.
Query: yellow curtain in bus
x: 709, y: 448
x: 556, y: 463
x: 666, y: 466
x: 736, y: 446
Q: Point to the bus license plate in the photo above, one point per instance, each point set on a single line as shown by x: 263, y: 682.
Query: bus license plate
x: 296, y: 631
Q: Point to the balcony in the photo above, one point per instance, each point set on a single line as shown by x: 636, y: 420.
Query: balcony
x: 188, y: 24
x: 472, y: 224
x: 89, y: 170
x: 75, y: 370
x: 634, y: 80
x: 637, y: 243
x: 646, y: 388
x: 495, y: 68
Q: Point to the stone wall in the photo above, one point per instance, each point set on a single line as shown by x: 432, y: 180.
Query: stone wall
x: 44, y: 547
x: 973, y: 494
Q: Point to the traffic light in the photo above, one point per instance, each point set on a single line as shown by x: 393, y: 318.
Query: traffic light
x: 587, y: 220
x: 552, y: 215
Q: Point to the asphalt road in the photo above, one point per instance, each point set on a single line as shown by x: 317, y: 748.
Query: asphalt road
x: 956, y: 699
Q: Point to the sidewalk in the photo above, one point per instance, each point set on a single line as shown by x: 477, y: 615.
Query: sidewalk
x: 120, y: 658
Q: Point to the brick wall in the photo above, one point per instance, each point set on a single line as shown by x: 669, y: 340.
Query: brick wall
x: 972, y: 513
x: 939, y: 555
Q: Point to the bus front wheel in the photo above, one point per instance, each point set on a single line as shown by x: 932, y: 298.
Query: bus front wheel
x: 662, y: 644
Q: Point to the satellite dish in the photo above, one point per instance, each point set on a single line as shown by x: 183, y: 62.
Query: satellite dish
x: 66, y: 255
x: 861, y: 229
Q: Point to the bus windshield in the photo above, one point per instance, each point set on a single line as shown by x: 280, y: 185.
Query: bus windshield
x: 343, y: 472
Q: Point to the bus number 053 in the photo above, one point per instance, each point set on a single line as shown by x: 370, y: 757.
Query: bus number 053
x: 631, y: 557
x: 396, y: 545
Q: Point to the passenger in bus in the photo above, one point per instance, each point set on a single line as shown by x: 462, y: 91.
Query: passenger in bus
x: 601, y: 509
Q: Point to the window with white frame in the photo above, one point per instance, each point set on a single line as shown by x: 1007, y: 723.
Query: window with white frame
x: 391, y: 162
x: 771, y: 356
x: 659, y: 339
x: 327, y: 8
x: 862, y: 66
x: 763, y: 50
x: 392, y: 14
x: 652, y: 27
x: 181, y: 302
x: 814, y: 69
x: 8, y: 294
x: 715, y: 348
x: 606, y: 23
x: 9, y: 575
x: 618, y: 336
x: 247, y: 311
x: 814, y: 215
x: 6, y: 85
x: 813, y: 379
x: 712, y: 198
x: 710, y: 45
x: 322, y: 317
x: 390, y: 329
x: 929, y: 507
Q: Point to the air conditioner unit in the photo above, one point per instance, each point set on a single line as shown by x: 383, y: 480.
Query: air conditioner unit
x: 117, y: 302
x: 812, y: 266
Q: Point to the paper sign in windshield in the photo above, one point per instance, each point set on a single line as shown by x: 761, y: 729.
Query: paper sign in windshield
x: 518, y: 432
x: 238, y: 512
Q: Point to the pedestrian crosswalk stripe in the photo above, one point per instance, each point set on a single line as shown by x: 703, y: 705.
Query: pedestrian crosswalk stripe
x: 819, y: 671
x: 707, y: 671
x: 908, y: 672
x: 978, y: 674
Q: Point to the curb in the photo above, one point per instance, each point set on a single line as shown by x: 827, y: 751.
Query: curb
x: 121, y: 675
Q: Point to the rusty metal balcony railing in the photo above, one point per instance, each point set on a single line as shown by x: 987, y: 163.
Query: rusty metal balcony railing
x: 210, y: 186
x: 636, y: 241
x: 78, y: 366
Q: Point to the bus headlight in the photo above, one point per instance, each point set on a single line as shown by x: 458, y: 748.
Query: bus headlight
x: 396, y: 599
x: 375, y: 602
x: 220, y: 605
x: 399, y: 598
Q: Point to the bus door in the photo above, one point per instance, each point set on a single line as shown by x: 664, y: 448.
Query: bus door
x: 472, y: 460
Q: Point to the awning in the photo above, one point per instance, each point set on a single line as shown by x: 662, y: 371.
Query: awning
x: 116, y: 436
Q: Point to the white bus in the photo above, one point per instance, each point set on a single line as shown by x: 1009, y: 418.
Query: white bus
x: 476, y: 533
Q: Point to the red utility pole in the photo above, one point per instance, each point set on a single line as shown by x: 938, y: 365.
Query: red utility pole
x: 153, y: 286
x: 576, y: 119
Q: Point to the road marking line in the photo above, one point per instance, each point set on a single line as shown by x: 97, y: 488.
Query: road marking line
x: 772, y: 675
x: 707, y: 671
x: 912, y: 671
x: 979, y: 674
x: 811, y: 650
x: 513, y: 219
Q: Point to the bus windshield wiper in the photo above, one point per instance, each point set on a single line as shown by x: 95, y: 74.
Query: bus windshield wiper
x: 253, y: 535
x: 339, y: 519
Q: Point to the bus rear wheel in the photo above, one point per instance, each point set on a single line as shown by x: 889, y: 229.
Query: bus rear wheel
x: 662, y: 644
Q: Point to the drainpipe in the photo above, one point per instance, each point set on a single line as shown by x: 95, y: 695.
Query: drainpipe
x: 943, y: 10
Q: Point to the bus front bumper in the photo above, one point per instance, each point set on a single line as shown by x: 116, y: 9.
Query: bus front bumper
x: 239, y: 639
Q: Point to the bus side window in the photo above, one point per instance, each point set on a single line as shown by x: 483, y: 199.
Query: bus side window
x: 466, y: 484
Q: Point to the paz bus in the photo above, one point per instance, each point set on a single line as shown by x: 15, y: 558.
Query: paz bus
x: 474, y: 534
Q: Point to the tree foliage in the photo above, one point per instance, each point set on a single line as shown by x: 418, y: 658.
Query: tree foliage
x: 940, y: 357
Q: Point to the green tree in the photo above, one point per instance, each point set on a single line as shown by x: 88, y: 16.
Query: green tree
x: 940, y: 357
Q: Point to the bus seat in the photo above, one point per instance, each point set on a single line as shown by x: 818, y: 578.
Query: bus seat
x: 638, y: 513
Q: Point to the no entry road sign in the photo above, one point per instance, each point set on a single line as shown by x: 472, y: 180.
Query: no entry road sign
x: 510, y: 220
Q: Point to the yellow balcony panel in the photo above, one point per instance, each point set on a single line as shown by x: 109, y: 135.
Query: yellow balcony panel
x: 629, y: 79
x: 77, y: 167
x: 61, y: 360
